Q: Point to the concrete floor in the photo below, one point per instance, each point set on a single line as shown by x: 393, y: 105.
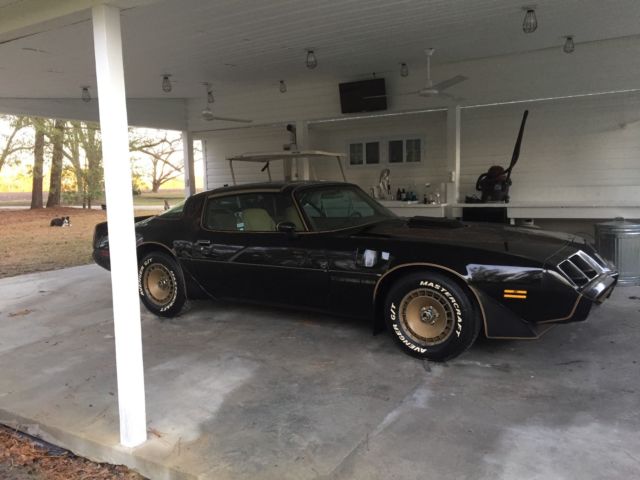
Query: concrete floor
x: 246, y: 392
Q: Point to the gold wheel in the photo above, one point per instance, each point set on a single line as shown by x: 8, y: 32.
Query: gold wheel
x: 159, y: 284
x: 427, y: 316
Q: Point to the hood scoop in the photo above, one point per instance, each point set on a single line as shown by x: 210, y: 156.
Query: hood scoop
x: 430, y: 222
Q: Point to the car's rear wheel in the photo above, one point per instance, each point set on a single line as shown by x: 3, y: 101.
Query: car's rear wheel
x: 431, y: 316
x: 161, y: 285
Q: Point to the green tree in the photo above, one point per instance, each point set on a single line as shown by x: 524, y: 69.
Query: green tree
x: 72, y: 152
x: 158, y: 151
x: 56, y: 137
x: 13, y: 143
x: 38, y: 162
x: 91, y: 142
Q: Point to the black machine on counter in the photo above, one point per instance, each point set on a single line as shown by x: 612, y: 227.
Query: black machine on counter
x: 495, y: 183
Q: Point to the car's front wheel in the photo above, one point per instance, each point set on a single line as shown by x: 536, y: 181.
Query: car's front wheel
x: 431, y: 316
x: 161, y: 285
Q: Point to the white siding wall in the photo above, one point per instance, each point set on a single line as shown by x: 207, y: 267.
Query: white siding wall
x: 226, y: 143
x: 430, y: 127
x: 335, y: 137
x: 585, y: 149
x: 576, y: 149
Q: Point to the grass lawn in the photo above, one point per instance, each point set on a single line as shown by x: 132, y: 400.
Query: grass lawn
x: 23, y: 199
x: 28, y: 244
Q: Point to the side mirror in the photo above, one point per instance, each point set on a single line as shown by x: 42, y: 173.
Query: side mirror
x: 287, y: 227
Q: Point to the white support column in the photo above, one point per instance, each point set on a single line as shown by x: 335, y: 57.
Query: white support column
x: 453, y: 154
x: 287, y: 166
x: 189, y: 172
x: 203, y: 147
x: 122, y: 240
x: 302, y: 164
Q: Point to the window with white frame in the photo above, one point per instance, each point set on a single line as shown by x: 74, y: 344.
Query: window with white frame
x: 413, y: 149
x: 408, y: 150
x: 364, y: 153
x: 391, y: 151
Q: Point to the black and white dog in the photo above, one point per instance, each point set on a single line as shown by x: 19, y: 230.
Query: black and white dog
x: 60, y: 222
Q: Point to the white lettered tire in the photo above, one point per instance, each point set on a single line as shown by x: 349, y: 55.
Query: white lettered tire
x: 161, y: 285
x: 431, y: 316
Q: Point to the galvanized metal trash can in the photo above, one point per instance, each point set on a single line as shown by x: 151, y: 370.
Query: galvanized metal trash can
x: 619, y: 242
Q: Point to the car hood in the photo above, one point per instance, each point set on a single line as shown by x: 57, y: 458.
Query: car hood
x: 531, y: 243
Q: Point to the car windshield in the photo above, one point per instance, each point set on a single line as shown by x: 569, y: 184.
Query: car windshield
x: 337, y: 207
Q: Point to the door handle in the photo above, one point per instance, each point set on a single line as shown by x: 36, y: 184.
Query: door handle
x: 203, y: 242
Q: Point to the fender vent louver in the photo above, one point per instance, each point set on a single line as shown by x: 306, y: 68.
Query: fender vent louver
x: 580, y: 268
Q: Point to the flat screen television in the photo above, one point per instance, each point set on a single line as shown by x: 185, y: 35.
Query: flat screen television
x: 363, y: 96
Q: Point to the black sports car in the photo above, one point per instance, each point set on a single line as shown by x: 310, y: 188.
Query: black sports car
x: 434, y: 283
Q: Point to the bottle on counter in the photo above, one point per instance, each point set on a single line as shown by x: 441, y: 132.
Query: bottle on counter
x: 398, y: 195
x: 403, y: 195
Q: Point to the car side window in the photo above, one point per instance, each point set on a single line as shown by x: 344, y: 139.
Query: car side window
x: 330, y: 208
x: 250, y: 212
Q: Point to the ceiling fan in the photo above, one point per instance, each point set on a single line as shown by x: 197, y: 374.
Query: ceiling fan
x: 207, y: 113
x: 430, y: 90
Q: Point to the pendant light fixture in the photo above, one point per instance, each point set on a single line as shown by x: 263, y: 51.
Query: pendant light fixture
x: 404, y: 70
x: 86, y: 95
x: 166, y: 83
x: 283, y: 86
x: 530, y: 22
x: 207, y: 113
x: 569, y: 46
x: 312, y: 61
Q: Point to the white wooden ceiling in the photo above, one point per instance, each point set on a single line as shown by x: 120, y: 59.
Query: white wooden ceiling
x: 252, y: 44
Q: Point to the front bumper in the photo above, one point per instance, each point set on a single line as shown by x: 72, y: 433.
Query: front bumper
x: 552, y: 297
x: 601, y: 287
x: 593, y: 277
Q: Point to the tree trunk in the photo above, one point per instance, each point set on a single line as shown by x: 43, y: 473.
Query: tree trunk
x: 55, y: 183
x: 38, y: 163
x: 155, y: 185
x: 94, y: 175
x: 72, y: 153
